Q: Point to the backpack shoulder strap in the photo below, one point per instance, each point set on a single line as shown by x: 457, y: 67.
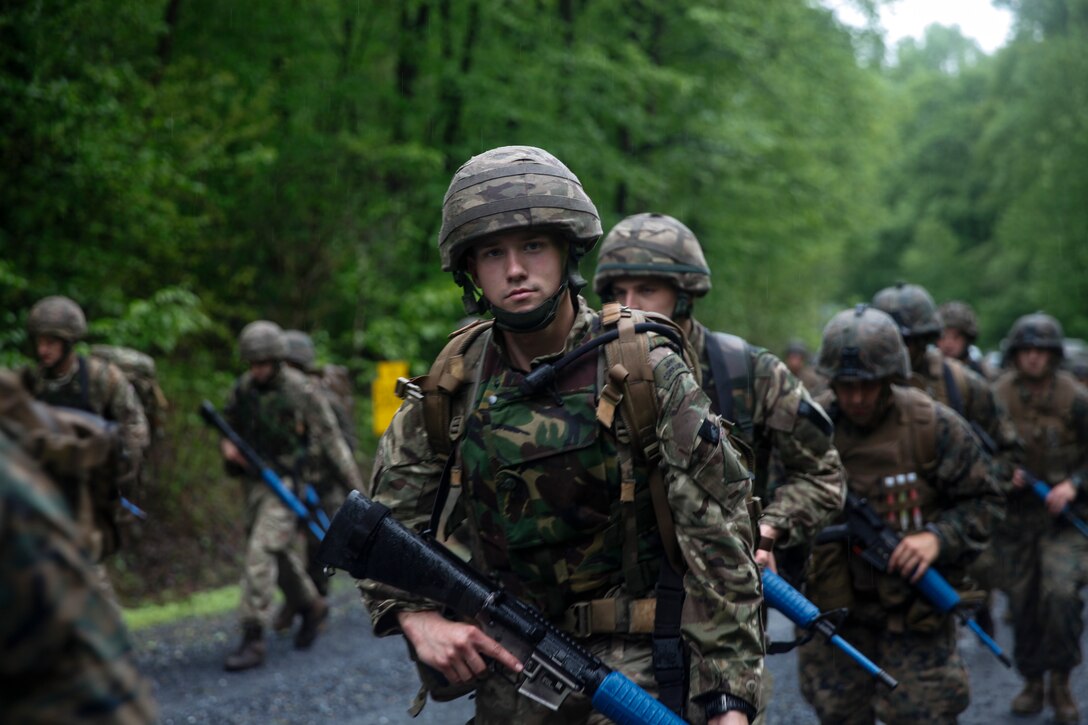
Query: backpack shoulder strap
x: 447, y: 374
x: 731, y: 365
x: 954, y: 385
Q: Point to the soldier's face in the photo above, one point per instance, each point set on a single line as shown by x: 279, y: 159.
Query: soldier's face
x: 650, y: 294
x: 518, y: 271
x: 49, y: 349
x: 1034, y: 362
x: 795, y: 361
x: 262, y: 371
x: 953, y: 343
x: 860, y: 400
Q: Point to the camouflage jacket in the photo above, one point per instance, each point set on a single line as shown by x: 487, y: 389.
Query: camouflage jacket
x: 1054, y: 426
x: 64, y: 652
x: 288, y: 422
x: 99, y: 387
x: 707, y: 489
x: 784, y: 418
x: 980, y: 407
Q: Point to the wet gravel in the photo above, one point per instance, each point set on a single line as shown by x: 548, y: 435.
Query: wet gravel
x: 350, y: 677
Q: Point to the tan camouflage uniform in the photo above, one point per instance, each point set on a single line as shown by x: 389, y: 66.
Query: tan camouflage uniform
x: 707, y: 487
x: 281, y: 420
x: 65, y: 653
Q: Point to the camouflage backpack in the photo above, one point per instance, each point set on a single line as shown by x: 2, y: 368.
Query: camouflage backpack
x: 139, y: 370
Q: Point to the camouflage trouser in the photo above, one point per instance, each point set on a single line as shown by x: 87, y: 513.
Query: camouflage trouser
x: 330, y: 502
x: 933, y: 685
x: 272, y: 555
x: 1044, y: 568
x: 498, y: 702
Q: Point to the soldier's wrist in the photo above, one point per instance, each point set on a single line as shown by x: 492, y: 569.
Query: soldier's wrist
x: 721, y: 703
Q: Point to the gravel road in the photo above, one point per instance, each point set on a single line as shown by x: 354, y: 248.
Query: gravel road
x: 351, y: 677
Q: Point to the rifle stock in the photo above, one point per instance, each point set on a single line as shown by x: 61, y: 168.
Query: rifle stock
x: 368, y: 543
x: 1042, y: 490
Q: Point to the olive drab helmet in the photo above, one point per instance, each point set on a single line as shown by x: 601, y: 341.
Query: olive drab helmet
x: 58, y: 317
x: 507, y: 189
x: 912, y: 308
x: 959, y: 316
x: 863, y: 343
x: 262, y: 341
x: 300, y: 349
x: 654, y: 245
x: 1038, y: 330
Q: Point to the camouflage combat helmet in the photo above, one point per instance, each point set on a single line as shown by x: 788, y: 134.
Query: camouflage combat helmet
x: 300, y: 349
x: 652, y: 245
x: 1036, y: 330
x: 912, y: 309
x: 58, y: 317
x: 863, y: 343
x: 262, y: 341
x: 959, y: 316
x: 797, y: 347
x: 507, y: 189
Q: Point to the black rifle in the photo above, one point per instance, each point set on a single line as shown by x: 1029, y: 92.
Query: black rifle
x: 368, y: 543
x: 870, y: 537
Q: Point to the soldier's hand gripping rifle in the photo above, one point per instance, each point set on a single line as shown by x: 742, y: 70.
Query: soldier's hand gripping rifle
x: 779, y: 595
x: 368, y: 543
x: 869, y: 536
x: 306, y: 514
x: 1042, y: 490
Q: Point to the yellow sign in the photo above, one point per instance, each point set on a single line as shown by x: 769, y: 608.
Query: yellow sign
x: 383, y: 392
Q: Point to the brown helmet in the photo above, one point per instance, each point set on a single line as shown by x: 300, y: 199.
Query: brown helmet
x: 959, y: 316
x: 510, y: 188
x: 912, y: 308
x: 262, y: 341
x: 58, y: 317
x: 863, y: 343
x: 1038, y: 330
x: 300, y: 349
x: 652, y: 245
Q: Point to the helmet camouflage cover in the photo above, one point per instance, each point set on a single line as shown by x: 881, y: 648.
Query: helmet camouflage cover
x: 262, y: 341
x: 652, y: 245
x: 863, y: 343
x: 959, y: 316
x: 58, y: 317
x: 912, y: 308
x: 1036, y: 330
x: 510, y: 188
x: 300, y: 349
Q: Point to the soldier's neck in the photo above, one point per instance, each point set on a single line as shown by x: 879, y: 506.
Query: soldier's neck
x: 63, y: 368
x: 524, y: 347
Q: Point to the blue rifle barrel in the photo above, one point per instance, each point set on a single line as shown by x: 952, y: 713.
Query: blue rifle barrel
x: 781, y: 596
x: 1041, y: 490
x: 941, y: 595
x: 212, y: 417
x: 133, y: 508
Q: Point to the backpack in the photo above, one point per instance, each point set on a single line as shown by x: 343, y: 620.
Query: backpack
x: 139, y: 370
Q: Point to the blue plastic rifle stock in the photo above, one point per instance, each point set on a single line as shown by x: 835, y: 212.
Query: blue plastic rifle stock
x: 779, y: 595
x: 211, y: 415
x: 1041, y: 490
x: 628, y: 704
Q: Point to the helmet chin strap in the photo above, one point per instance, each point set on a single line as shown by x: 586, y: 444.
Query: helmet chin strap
x: 683, y: 307
x: 533, y: 320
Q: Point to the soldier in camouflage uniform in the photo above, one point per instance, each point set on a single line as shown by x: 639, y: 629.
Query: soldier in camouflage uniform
x: 952, y: 383
x: 886, y: 430
x: 547, y: 488
x: 1047, y: 559
x: 319, y: 471
x: 797, y: 360
x: 958, y: 334
x: 282, y: 414
x: 65, y: 653
x: 654, y: 262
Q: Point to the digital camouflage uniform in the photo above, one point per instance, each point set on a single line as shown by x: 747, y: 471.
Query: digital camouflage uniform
x: 65, y: 653
x: 281, y: 420
x: 1045, y: 559
x: 954, y: 497
x: 542, y: 478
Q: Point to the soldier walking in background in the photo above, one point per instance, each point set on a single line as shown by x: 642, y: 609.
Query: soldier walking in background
x: 282, y: 414
x: 959, y: 330
x: 556, y: 502
x: 797, y: 359
x: 1046, y: 558
x: 64, y: 651
x: 653, y: 262
x: 943, y: 503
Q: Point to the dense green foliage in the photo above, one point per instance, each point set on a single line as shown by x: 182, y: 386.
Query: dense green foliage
x: 183, y: 167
